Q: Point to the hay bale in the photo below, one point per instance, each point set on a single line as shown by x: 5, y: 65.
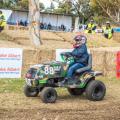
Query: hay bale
x: 110, y: 60
x: 111, y: 73
x: 44, y: 56
x: 23, y: 42
x: 110, y: 67
x: 116, y: 37
x: 98, y: 60
x: 29, y: 57
x: 46, y: 35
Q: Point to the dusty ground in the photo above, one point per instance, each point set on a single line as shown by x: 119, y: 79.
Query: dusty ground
x: 15, y: 106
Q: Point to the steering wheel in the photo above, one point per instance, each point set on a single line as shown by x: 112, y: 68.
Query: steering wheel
x: 67, y: 56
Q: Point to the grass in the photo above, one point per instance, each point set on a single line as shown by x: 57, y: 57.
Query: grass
x: 16, y: 85
x: 11, y: 85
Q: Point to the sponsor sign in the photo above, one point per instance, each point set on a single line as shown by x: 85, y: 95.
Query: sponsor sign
x: 10, y: 62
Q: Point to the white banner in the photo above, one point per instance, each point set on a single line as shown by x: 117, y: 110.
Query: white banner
x: 10, y: 62
x: 7, y: 13
x: 59, y: 51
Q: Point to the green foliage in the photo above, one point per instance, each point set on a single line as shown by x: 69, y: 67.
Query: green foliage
x: 65, y: 7
x: 42, y: 7
x: 14, y: 4
x: 107, y: 8
x: 23, y: 4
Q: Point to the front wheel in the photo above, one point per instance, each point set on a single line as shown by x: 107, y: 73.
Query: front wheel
x: 75, y: 91
x: 48, y: 95
x: 30, y: 91
x: 95, y: 90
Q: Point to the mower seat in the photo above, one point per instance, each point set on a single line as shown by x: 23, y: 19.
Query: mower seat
x: 87, y: 68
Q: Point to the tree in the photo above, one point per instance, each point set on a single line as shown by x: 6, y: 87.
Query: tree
x: 82, y: 8
x: 65, y: 7
x: 14, y: 4
x: 110, y: 8
x: 34, y: 22
x: 41, y: 5
x: 7, y: 4
x: 23, y: 4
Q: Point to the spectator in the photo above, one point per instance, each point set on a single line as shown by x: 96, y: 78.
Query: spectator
x: 25, y: 23
x: 21, y: 23
x: 45, y: 25
x: 41, y: 26
x: 91, y: 27
x: 49, y: 26
x: 108, y: 31
x: 63, y: 28
x: 2, y: 21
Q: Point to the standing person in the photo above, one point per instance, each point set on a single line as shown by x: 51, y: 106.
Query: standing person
x: 2, y: 21
x: 91, y: 27
x: 108, y: 31
x: 49, y: 26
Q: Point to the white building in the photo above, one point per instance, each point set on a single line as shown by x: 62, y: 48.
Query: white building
x: 55, y: 20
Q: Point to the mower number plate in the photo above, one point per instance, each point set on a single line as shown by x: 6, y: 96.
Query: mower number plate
x: 49, y: 70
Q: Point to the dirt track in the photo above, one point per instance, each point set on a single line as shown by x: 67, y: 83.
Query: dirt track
x: 16, y: 106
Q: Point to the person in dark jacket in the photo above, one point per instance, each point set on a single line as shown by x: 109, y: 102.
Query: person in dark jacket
x: 80, y: 55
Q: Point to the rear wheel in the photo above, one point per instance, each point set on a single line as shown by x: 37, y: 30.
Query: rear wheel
x: 95, y: 90
x: 48, y: 95
x: 75, y: 91
x: 30, y: 91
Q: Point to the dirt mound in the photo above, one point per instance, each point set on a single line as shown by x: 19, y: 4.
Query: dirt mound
x: 48, y: 37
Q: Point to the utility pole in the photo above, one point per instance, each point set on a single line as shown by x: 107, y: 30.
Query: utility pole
x: 34, y: 23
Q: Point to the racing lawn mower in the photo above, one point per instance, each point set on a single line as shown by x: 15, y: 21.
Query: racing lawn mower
x: 44, y: 78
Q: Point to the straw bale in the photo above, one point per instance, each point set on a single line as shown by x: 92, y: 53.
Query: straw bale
x: 45, y: 35
x: 116, y: 37
x: 23, y: 42
x: 45, y: 55
x: 98, y: 60
x: 29, y: 57
x: 110, y: 60
x: 111, y: 73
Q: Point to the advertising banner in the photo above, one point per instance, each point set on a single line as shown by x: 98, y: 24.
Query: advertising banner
x: 10, y: 62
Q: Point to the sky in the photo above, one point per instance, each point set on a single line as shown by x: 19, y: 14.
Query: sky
x: 47, y: 3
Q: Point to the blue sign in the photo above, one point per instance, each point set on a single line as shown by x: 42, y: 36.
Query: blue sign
x: 116, y: 29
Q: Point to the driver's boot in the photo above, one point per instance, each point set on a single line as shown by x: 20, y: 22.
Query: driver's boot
x: 67, y: 82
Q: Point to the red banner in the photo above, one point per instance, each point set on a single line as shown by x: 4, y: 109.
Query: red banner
x: 118, y: 65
